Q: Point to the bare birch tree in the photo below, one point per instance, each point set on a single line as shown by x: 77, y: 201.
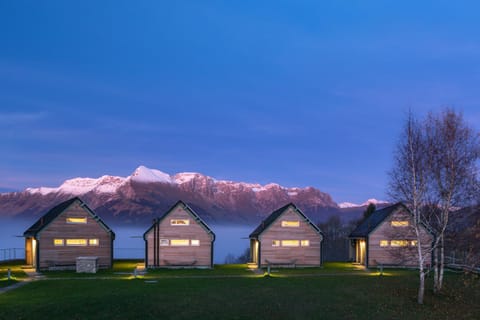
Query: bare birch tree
x: 408, y: 184
x: 453, y: 151
x: 435, y: 170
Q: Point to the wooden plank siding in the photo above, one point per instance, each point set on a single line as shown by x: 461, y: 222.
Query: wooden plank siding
x: 299, y: 255
x: 402, y: 255
x: 169, y: 255
x: 48, y: 255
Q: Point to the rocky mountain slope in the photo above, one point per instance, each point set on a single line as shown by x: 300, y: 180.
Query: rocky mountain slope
x: 147, y: 193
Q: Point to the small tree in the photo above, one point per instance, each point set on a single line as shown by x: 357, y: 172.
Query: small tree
x: 369, y: 210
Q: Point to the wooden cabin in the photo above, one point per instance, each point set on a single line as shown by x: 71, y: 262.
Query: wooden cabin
x: 387, y: 238
x: 69, y: 230
x: 180, y: 238
x: 286, y: 238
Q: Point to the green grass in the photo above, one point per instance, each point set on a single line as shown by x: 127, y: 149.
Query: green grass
x: 178, y: 294
x: 16, y: 273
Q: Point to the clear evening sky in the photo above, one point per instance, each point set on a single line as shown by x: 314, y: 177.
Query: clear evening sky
x: 300, y: 93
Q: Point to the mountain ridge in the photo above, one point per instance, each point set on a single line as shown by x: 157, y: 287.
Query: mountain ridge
x: 148, y: 193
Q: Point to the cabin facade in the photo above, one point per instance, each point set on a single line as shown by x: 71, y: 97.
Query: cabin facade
x: 68, y: 231
x: 387, y: 238
x: 180, y: 238
x: 286, y: 237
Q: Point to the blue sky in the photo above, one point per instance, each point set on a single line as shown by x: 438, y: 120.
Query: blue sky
x: 301, y: 93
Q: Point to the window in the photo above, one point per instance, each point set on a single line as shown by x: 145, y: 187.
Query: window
x: 290, y: 243
x: 286, y: 223
x: 180, y: 242
x: 399, y: 243
x: 275, y: 243
x: 195, y: 242
x: 383, y: 243
x: 413, y: 243
x: 76, y: 242
x: 58, y: 242
x: 397, y: 223
x: 305, y: 243
x: 164, y: 242
x: 79, y: 220
x: 179, y: 222
x: 93, y: 242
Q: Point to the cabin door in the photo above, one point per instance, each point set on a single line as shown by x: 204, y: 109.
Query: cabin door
x: 254, y: 250
x: 30, y: 251
x: 361, y: 252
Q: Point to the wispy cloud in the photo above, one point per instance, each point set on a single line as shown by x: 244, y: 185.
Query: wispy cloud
x: 21, y: 117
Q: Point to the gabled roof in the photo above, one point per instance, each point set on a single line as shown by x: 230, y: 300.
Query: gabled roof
x: 374, y: 220
x: 189, y: 210
x: 275, y: 215
x: 53, y: 213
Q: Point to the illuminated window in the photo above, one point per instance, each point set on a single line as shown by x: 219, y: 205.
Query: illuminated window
x: 76, y: 242
x: 290, y: 243
x: 164, y: 242
x: 77, y: 220
x: 286, y: 223
x: 305, y: 243
x: 195, y: 242
x: 397, y: 223
x: 413, y: 243
x: 179, y: 222
x: 180, y: 242
x: 58, y: 242
x: 383, y: 243
x: 399, y: 243
x: 93, y: 242
x: 275, y: 243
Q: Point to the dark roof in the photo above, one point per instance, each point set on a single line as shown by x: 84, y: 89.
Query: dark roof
x: 275, y: 215
x: 190, y: 210
x: 372, y: 221
x: 53, y: 213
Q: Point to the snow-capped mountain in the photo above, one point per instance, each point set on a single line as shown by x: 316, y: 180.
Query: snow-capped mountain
x: 147, y: 193
x: 376, y: 202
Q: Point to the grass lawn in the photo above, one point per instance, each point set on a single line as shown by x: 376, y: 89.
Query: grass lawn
x: 159, y: 295
x: 16, y: 273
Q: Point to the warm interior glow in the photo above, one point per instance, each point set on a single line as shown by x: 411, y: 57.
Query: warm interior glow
x: 290, y: 243
x: 58, y: 242
x: 275, y: 243
x: 76, y: 242
x: 180, y: 242
x: 179, y: 222
x: 383, y: 243
x: 164, y: 242
x: 399, y: 243
x: 77, y: 220
x: 195, y: 242
x: 287, y: 223
x: 93, y: 242
x: 413, y: 243
x: 305, y: 243
x: 397, y: 223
